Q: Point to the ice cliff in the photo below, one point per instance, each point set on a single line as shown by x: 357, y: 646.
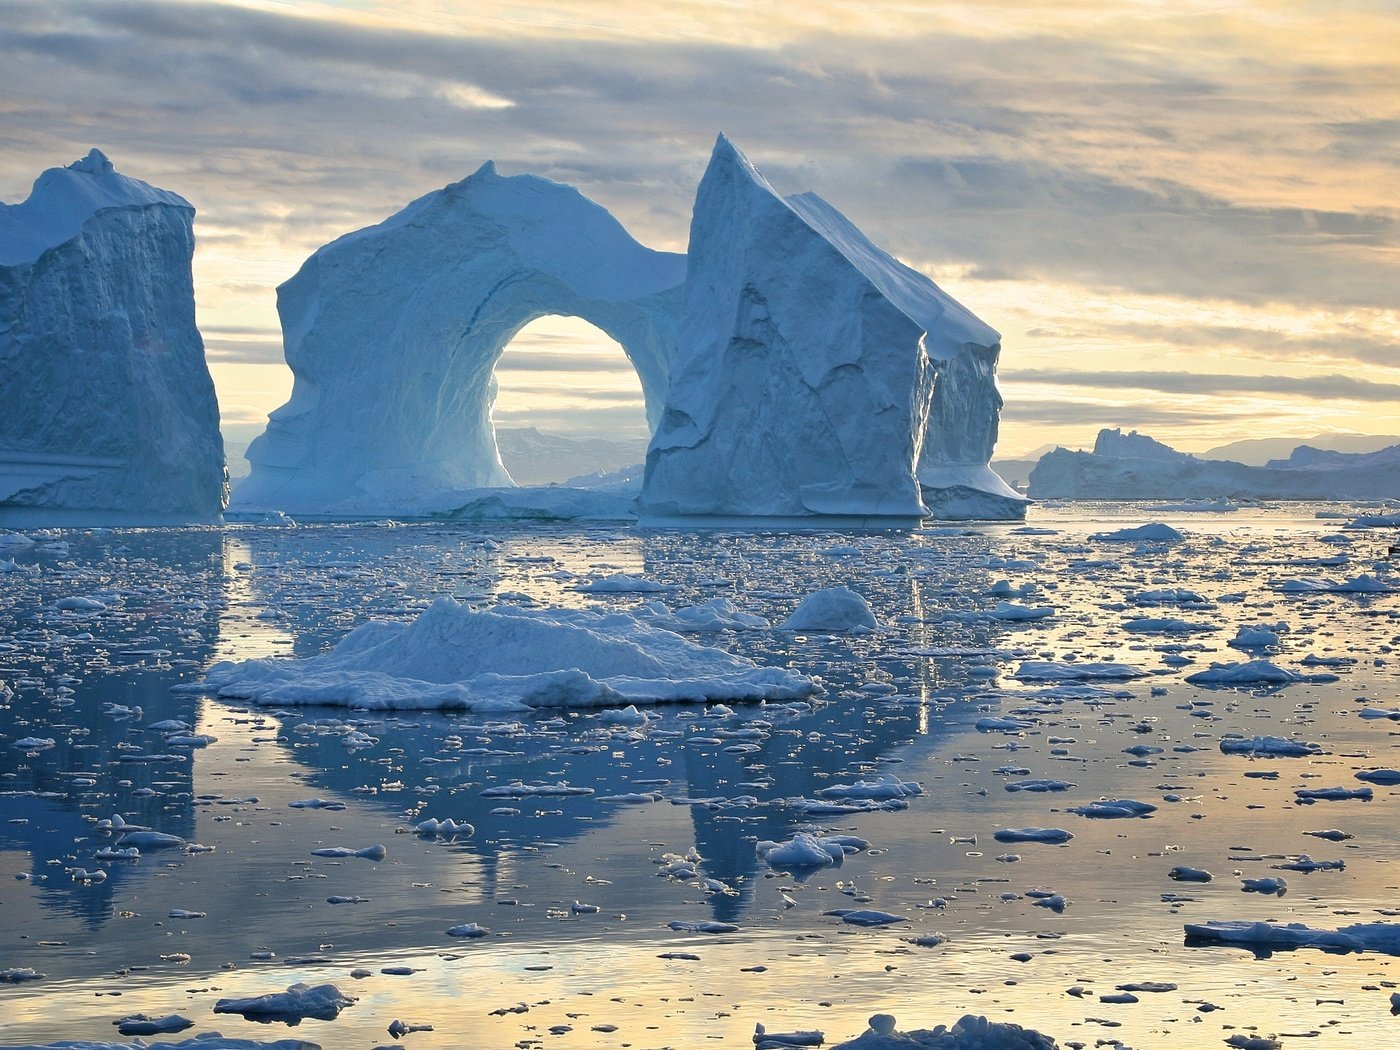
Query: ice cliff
x: 107, y: 411
x: 815, y: 375
x: 791, y: 369
x: 393, y: 333
x: 1134, y: 466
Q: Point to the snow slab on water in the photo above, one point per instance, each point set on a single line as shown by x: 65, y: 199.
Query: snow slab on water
x: 507, y: 659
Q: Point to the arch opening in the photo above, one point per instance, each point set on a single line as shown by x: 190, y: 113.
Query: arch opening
x: 568, y: 403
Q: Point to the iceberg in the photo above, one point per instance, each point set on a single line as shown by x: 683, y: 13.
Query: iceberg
x: 107, y: 411
x: 393, y: 333
x: 791, y: 369
x: 815, y: 375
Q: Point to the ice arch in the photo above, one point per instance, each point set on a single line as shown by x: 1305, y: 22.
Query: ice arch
x: 393, y: 333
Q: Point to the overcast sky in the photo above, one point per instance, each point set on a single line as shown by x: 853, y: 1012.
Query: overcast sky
x: 1181, y: 216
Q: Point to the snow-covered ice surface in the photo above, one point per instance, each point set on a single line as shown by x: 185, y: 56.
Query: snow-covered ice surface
x: 802, y: 864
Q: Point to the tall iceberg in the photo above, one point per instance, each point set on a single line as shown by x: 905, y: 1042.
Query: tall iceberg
x: 393, y: 333
x: 791, y: 369
x: 107, y: 410
x: 815, y: 375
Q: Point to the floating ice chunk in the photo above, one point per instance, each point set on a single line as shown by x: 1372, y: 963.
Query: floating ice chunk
x: 1253, y: 672
x: 1379, y: 776
x: 1333, y: 794
x: 1272, y: 746
x: 469, y: 930
x: 1011, y: 611
x: 148, y: 840
x: 1040, y: 785
x: 316, y: 803
x: 142, y: 1024
x: 969, y: 1033
x: 718, y: 614
x: 34, y: 743
x: 1156, y: 532
x: 805, y: 850
x: 20, y: 974
x: 517, y: 789
x: 1165, y: 625
x: 703, y: 926
x: 1240, y: 1041
x: 1051, y: 835
x: 1003, y: 724
x: 1258, y: 635
x: 1363, y: 937
x: 766, y: 1040
x: 1114, y: 807
x: 78, y: 603
x: 834, y: 610
x: 623, y: 716
x: 448, y: 828
x: 621, y: 583
x: 866, y: 916
x: 1331, y: 835
x: 1053, y: 671
x: 1307, y: 865
x: 341, y: 852
x: 1186, y: 873
x: 886, y: 787
x: 1169, y: 596
x: 1270, y: 886
x: 117, y: 853
x: 322, y: 1002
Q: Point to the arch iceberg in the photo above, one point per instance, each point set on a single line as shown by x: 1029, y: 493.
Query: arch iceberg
x: 393, y: 333
x: 791, y: 369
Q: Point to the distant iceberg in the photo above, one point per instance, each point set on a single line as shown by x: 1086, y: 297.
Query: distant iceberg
x: 1133, y: 466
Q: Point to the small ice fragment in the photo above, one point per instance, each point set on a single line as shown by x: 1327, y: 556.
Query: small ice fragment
x: 1050, y: 835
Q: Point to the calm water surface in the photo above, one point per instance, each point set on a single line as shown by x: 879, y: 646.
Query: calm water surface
x: 904, y: 700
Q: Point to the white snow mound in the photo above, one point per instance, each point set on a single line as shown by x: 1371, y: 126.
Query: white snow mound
x: 507, y: 659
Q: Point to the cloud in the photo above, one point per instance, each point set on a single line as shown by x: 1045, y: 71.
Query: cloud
x: 1062, y: 412
x: 1197, y: 153
x: 1326, y: 387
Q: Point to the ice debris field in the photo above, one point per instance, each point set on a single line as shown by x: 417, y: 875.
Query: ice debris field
x: 1116, y: 777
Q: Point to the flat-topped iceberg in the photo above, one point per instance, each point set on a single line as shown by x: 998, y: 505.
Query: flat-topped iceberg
x: 507, y: 658
x: 107, y: 410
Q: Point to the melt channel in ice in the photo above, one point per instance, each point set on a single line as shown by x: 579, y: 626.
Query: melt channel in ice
x: 507, y: 658
x: 107, y: 411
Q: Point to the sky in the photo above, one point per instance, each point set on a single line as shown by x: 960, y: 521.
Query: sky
x: 1183, y: 217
